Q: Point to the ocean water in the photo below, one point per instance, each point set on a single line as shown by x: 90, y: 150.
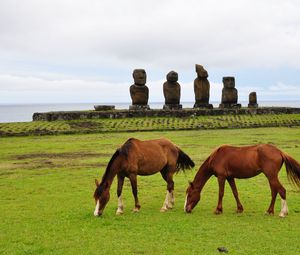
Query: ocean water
x: 24, y: 112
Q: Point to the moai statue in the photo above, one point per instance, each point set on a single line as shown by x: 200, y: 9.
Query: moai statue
x: 229, y: 94
x: 139, y: 92
x: 172, y: 92
x: 201, y: 88
x: 252, y: 100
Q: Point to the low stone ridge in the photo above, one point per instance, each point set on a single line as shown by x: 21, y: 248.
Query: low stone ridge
x: 76, y: 115
x: 104, y: 107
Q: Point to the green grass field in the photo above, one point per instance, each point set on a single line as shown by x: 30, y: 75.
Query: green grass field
x: 47, y: 184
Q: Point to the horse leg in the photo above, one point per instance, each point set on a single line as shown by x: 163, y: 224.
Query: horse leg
x: 119, y: 194
x: 284, y: 208
x: 271, y: 168
x: 273, y: 184
x: 169, y: 200
x: 221, y: 181
x: 231, y: 182
x: 276, y: 187
x: 282, y: 192
x: 133, y: 182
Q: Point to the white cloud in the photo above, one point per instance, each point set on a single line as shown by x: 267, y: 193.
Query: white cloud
x: 38, y: 90
x: 24, y: 89
x: 67, y: 49
x: 160, y: 33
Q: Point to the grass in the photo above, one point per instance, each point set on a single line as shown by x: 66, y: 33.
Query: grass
x: 148, y: 124
x: 46, y: 187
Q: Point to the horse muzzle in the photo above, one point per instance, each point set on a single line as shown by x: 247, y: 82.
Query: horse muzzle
x: 188, y: 209
x: 97, y: 211
x: 96, y: 214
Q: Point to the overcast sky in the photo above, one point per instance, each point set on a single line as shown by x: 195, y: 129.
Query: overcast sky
x: 86, y: 50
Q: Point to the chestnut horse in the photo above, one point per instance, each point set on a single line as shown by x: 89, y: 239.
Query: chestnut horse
x: 137, y: 157
x: 228, y: 162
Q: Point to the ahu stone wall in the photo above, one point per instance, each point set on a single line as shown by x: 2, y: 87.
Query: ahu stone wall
x: 79, y: 115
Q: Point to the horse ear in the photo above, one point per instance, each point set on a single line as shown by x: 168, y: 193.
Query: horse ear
x: 96, y: 182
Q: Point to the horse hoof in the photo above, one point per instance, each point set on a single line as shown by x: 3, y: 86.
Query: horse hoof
x: 282, y: 215
x: 239, y: 211
x: 269, y: 213
x: 163, y: 209
x: 135, y: 210
x: 217, y: 212
x: 119, y: 212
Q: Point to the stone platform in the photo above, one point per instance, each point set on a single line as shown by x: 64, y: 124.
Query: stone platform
x: 186, y: 112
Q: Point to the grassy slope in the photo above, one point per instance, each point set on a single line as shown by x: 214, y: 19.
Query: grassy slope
x: 148, y: 124
x: 46, y: 187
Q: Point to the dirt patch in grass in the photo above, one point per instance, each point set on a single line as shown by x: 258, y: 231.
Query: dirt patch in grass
x: 64, y: 155
x: 46, y: 164
x: 32, y: 161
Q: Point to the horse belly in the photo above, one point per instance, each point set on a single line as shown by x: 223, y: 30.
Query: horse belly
x: 243, y: 170
x: 149, y: 167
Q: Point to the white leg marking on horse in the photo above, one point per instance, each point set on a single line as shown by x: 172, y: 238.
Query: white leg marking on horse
x: 136, y: 209
x: 185, y: 202
x: 165, y: 204
x: 284, y: 208
x: 120, y: 206
x: 96, y: 212
x: 172, y: 197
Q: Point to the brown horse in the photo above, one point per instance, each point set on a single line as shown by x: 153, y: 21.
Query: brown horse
x: 228, y: 162
x: 137, y: 157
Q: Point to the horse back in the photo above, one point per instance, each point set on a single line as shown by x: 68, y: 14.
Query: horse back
x: 149, y: 156
x: 245, y: 161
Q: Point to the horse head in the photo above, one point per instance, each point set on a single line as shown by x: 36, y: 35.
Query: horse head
x: 101, y: 196
x: 192, y: 198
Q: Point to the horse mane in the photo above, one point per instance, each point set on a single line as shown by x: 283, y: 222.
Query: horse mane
x: 114, y: 156
x: 122, y: 151
x: 126, y: 147
x: 207, y: 162
x: 213, y: 154
x: 101, y: 186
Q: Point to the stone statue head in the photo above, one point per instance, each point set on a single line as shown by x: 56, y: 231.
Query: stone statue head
x: 229, y: 82
x: 252, y: 98
x: 172, y: 76
x: 201, y: 72
x: 139, y: 76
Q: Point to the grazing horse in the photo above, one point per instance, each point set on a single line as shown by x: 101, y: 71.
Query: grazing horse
x: 137, y: 157
x: 228, y: 162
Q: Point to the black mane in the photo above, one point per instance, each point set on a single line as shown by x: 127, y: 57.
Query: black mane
x: 123, y: 151
x: 126, y: 147
x: 114, y: 156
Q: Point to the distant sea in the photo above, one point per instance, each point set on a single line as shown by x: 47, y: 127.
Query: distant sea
x: 24, y: 112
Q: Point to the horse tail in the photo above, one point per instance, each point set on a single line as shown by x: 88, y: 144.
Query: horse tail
x: 292, y: 169
x: 184, y: 161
